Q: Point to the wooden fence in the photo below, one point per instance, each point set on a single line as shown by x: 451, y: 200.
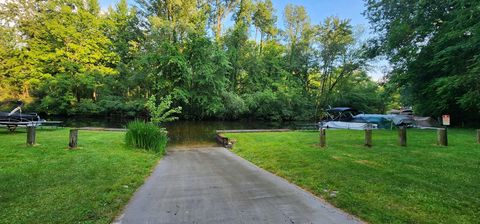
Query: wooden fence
x: 442, y: 138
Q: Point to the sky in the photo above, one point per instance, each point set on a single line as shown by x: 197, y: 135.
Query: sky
x: 318, y: 10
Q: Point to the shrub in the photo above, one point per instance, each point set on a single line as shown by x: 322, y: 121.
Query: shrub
x: 163, y: 112
x: 146, y: 136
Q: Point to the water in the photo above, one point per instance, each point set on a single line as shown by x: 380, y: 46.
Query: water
x: 188, y: 133
x: 203, y: 132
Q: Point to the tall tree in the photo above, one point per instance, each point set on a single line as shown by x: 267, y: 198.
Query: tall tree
x: 221, y: 9
x: 236, y: 41
x: 337, y: 54
x: 264, y: 20
x: 174, y: 19
x: 434, y: 49
x: 65, y: 47
x: 299, y: 35
x: 18, y: 75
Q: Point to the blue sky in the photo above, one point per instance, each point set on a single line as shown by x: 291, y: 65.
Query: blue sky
x: 318, y: 10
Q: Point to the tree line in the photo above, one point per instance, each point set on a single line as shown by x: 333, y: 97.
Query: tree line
x: 216, y: 59
x: 434, y: 49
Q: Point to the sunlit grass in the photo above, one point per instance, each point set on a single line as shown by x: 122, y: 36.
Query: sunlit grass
x: 420, y: 183
x: 49, y: 183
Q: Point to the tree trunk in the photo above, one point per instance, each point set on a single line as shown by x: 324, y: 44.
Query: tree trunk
x: 94, y: 95
x: 219, y: 27
x: 261, y: 42
x: 77, y: 95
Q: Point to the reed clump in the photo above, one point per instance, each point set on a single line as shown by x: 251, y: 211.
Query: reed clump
x: 147, y: 136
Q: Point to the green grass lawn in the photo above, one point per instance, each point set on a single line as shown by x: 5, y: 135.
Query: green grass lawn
x: 420, y: 183
x: 49, y: 183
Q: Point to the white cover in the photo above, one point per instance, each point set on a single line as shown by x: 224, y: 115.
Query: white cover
x: 349, y: 125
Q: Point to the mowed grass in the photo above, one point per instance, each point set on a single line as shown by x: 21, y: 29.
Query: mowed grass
x: 49, y: 183
x: 420, y: 183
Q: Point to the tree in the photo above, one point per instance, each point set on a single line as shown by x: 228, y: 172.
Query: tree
x: 338, y: 57
x: 68, y: 57
x: 434, y: 50
x: 18, y: 75
x: 221, y: 8
x: 65, y: 47
x: 208, y: 88
x: 264, y: 20
x: 299, y: 35
x: 236, y: 43
x: 174, y: 20
x: 359, y: 92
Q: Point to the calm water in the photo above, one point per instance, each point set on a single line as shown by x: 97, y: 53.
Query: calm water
x: 191, y: 133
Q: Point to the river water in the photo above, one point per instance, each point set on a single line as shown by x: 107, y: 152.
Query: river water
x: 189, y: 133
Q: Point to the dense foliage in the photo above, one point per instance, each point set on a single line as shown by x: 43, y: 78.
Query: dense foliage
x: 69, y: 57
x: 434, y: 48
x: 146, y: 135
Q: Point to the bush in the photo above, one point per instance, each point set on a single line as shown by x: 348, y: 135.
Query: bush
x: 146, y: 136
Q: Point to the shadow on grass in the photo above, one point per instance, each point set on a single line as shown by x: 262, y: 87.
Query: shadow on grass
x: 23, y: 130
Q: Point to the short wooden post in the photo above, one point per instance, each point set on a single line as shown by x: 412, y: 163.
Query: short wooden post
x: 478, y: 136
x: 323, y: 140
x: 368, y: 137
x: 402, y: 136
x: 31, y: 135
x: 442, y: 137
x: 73, y: 140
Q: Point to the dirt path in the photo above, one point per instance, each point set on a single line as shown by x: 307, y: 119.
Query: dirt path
x: 213, y: 185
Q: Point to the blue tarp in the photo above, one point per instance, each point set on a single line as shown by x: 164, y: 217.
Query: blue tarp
x: 384, y: 120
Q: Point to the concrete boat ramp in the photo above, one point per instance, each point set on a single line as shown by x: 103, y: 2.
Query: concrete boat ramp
x: 213, y: 185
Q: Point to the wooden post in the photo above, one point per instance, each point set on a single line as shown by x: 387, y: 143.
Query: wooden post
x: 368, y: 137
x: 402, y: 135
x: 72, y: 143
x: 31, y: 135
x: 478, y: 136
x: 323, y: 140
x: 442, y: 137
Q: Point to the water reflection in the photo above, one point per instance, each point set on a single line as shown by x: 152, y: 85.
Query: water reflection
x: 203, y: 132
x: 107, y: 122
x: 186, y: 133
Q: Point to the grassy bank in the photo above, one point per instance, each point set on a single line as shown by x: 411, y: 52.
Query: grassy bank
x: 422, y: 183
x: 48, y: 183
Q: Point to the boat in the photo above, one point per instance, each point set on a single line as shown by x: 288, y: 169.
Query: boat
x: 14, y: 118
x: 350, y: 118
x: 344, y: 118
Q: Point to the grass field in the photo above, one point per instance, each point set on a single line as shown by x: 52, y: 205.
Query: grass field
x: 420, y: 183
x: 48, y: 183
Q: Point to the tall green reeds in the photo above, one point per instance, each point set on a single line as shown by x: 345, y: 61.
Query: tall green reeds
x: 146, y: 136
